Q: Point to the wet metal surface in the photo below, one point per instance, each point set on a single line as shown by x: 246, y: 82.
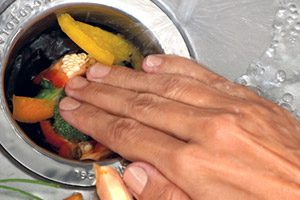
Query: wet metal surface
x: 225, y: 35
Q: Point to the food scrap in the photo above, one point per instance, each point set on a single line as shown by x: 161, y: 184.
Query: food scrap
x: 97, y: 45
x: 76, y: 196
x: 110, y: 185
x: 104, y: 46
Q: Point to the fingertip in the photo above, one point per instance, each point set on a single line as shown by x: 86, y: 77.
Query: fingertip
x: 69, y: 104
x: 77, y: 82
x: 146, y: 182
x: 135, y: 178
x: 152, y: 63
x: 98, y: 71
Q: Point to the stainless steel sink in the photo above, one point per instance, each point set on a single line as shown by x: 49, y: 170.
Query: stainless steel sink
x: 225, y: 36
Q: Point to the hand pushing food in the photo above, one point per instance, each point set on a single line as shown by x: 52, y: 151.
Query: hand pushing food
x: 190, y: 133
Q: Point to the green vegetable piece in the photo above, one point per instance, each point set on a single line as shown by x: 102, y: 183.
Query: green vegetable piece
x: 50, y: 94
x: 45, y: 84
x: 49, y: 91
x: 66, y: 130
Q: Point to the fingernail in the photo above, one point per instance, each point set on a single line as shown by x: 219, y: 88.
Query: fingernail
x: 99, y: 71
x: 153, y: 61
x: 136, y: 179
x: 69, y: 104
x: 77, y: 83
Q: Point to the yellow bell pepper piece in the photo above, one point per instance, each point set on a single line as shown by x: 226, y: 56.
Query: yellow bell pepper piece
x: 104, y: 46
x: 122, y: 49
x: 83, y: 40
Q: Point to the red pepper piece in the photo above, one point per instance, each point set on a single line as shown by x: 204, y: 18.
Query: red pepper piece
x: 65, y: 148
x: 38, y: 79
x: 54, y: 74
x: 68, y: 150
x: 51, y: 136
x: 56, y: 77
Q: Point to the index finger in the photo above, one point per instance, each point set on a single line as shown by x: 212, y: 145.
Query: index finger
x: 127, y: 137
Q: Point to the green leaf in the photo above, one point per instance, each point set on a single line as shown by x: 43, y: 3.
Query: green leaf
x: 45, y: 84
x: 36, y: 182
x: 17, y: 190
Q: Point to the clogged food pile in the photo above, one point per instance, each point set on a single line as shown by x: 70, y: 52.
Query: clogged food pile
x: 97, y: 45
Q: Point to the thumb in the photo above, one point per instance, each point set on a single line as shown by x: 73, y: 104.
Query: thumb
x: 147, y: 183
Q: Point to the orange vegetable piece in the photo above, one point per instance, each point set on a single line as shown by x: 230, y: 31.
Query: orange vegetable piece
x: 32, y: 110
x: 98, y: 153
x: 83, y: 40
x: 76, y: 196
x: 110, y: 185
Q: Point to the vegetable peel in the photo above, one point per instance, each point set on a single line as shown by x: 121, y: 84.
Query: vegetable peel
x: 110, y: 185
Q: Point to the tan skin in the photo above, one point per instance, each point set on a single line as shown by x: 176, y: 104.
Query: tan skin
x: 195, y: 134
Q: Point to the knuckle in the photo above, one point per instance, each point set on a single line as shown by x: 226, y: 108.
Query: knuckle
x: 122, y: 131
x: 142, y: 103
x: 224, y: 119
x: 94, y: 89
x: 187, y: 154
x: 174, y: 86
x: 223, y: 127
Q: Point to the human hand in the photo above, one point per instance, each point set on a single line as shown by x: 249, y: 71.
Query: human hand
x: 207, y: 137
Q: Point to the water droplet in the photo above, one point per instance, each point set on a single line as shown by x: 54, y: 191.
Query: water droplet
x: 290, y: 20
x: 243, y: 80
x: 281, y: 76
x: 270, y: 52
x: 283, y: 33
x: 294, y: 32
x: 297, y: 26
x: 282, y: 13
x: 297, y: 114
x: 295, y: 15
x: 259, y: 64
x: 274, y: 43
x: 260, y: 68
x: 288, y: 98
x: 286, y: 106
x: 252, y: 70
x: 261, y: 71
x: 292, y: 40
x: 278, y: 25
x: 292, y: 7
x: 256, y: 90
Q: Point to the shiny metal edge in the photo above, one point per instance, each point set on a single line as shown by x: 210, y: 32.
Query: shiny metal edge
x: 60, y: 170
x: 4, y: 5
x: 171, y: 14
